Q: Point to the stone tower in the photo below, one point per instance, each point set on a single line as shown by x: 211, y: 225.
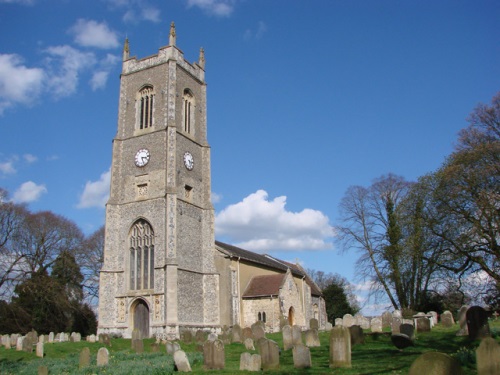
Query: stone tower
x: 158, y: 273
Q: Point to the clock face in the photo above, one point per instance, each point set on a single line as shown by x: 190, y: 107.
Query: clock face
x: 188, y: 161
x: 142, y: 157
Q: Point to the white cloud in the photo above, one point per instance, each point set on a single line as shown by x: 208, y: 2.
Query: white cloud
x: 30, y: 158
x: 98, y: 80
x: 216, y: 198
x: 261, y: 225
x: 65, y: 64
x: 96, y: 193
x: 256, y: 34
x: 90, y: 33
x: 221, y: 8
x: 29, y: 192
x: 22, y: 2
x: 7, y: 167
x: 18, y: 83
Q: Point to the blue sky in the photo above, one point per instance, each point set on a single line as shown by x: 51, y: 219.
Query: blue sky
x: 305, y: 98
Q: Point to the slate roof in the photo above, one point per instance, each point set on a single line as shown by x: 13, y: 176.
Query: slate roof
x: 264, y: 285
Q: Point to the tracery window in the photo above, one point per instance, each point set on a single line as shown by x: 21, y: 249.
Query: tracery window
x: 146, y: 107
x: 188, y: 110
x: 141, y: 256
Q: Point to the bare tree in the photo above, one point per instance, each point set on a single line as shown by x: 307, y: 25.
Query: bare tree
x: 90, y: 260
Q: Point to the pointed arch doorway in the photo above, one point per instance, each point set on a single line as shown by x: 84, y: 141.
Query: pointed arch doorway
x: 291, y: 316
x: 141, y: 318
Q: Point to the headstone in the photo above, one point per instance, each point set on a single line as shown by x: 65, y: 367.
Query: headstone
x: 187, y: 337
x: 386, y: 319
x: 43, y: 370
x: 250, y: 362
x: 348, y: 320
x: 408, y: 330
x: 488, y: 357
x: 84, y: 358
x: 313, y: 323
x: 407, y: 321
x: 200, y: 337
x: 340, y: 347
x: 13, y: 339
x: 357, y: 335
x: 138, y: 346
x: 105, y: 339
x: 401, y: 341
x: 447, y: 319
x: 249, y: 344
x: 39, y: 349
x: 212, y: 336
x: 362, y: 321
x: 339, y: 322
x: 301, y: 356
x: 236, y: 333
x: 213, y: 355
x: 57, y: 337
x: 27, y: 344
x: 328, y: 326
x: 423, y: 324
x: 396, y: 324
x: 6, y: 341
x: 171, y: 347
x: 247, y: 332
x: 102, y: 357
x: 376, y: 325
x: 312, y: 338
x: 397, y: 314
x: 51, y: 337
x: 19, y: 343
x: 90, y: 338
x: 269, y: 353
x: 296, y: 335
x: 155, y: 347
x: 258, y: 331
x: 462, y: 320
x: 435, y: 363
x: 434, y: 317
x: 41, y: 338
x: 181, y: 361
x: 477, y: 323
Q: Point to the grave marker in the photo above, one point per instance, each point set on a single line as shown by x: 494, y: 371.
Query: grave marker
x: 340, y: 347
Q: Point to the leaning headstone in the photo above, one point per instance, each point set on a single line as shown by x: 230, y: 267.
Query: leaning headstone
x: 39, y: 349
x: 43, y: 370
x: 357, y: 335
x: 102, y: 357
x: 340, y: 347
x: 313, y: 323
x: 408, y: 330
x: 84, y: 358
x: 247, y: 332
x: 312, y: 338
x: 435, y: 363
x: 376, y: 325
x: 258, y: 331
x: 171, y: 347
x: 423, y: 324
x: 181, y: 361
x: 477, y: 323
x: 269, y: 353
x: 462, y: 320
x: 301, y: 356
x: 401, y: 341
x: 488, y: 357
x: 396, y: 324
x: 236, y: 333
x: 213, y: 355
x: 386, y: 319
x: 447, y: 319
x: 249, y: 362
x: 339, y: 322
x: 348, y: 320
x: 249, y: 344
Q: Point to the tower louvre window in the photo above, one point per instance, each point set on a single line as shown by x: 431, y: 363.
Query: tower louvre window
x: 146, y: 96
x: 188, y: 111
x: 141, y: 256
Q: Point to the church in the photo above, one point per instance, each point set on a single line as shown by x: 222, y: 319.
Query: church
x: 163, y: 271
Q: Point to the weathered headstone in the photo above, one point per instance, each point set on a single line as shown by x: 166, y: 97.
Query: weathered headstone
x: 362, y: 321
x: 51, y: 337
x: 187, y: 337
x: 213, y: 355
x: 269, y: 353
x: 296, y: 335
x: 27, y: 344
x: 434, y: 317
x: 249, y: 344
x: 84, y: 358
x: 408, y: 330
x: 313, y: 323
x: 488, y: 357
x: 90, y: 338
x: 339, y: 322
x: 43, y: 370
x: 396, y: 324
x: 105, y: 339
x: 401, y: 341
x: 423, y: 324
x: 312, y: 338
x: 340, y: 347
x: 39, y: 349
x: 236, y: 333
x: 13, y: 339
x: 447, y: 319
x: 258, y: 331
x: 348, y: 320
x: 200, y: 337
x: 171, y: 347
x: 19, y: 343
x: 250, y: 362
x: 102, y: 357
x: 477, y: 323
x: 247, y: 332
x: 328, y: 325
x: 462, y: 321
x: 386, y: 319
x: 41, y: 338
x: 435, y: 363
x: 212, y: 337
x: 376, y: 325
x: 138, y: 346
x: 301, y: 356
x: 357, y: 335
x: 6, y: 341
x: 181, y: 361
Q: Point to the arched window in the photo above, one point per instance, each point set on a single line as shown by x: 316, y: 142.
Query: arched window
x: 264, y: 317
x: 146, y: 97
x: 259, y: 317
x: 188, y: 110
x: 142, y: 251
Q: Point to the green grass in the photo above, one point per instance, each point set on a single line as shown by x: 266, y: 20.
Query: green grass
x: 376, y: 356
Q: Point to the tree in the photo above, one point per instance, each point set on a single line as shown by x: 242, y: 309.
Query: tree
x: 91, y: 259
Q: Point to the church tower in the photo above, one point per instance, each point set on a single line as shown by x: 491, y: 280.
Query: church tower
x: 158, y: 273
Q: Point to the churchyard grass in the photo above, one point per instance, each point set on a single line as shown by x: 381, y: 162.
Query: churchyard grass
x: 376, y: 356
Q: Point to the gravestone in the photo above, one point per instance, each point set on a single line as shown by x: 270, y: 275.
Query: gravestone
x: 296, y: 335
x: 43, y: 370
x: 13, y: 339
x: 286, y: 332
x: 102, y: 357
x: 396, y: 324
x: 249, y: 344
x: 51, y: 337
x: 19, y: 343
x: 340, y: 347
x: 236, y: 334
x: 90, y: 338
x: 348, y: 320
x: 434, y: 317
x: 423, y: 324
x: 477, y: 323
x: 258, y: 331
x: 488, y: 357
x: 6, y: 341
x: 200, y: 337
x: 39, y: 349
x: 339, y: 322
x: 187, y: 337
x: 462, y: 321
x: 435, y: 363
x: 105, y: 339
x: 328, y: 326
x: 213, y: 355
x: 212, y: 337
x: 301, y: 356
x: 408, y: 330
x: 138, y: 346
x: 171, y: 347
x: 357, y: 335
x: 363, y: 322
x: 397, y: 314
x: 312, y: 338
x: 269, y: 354
x: 57, y: 338
x: 376, y: 325
x: 447, y: 319
x: 247, y: 333
x: 250, y: 362
x: 155, y: 347
x: 41, y: 338
x: 313, y: 323
x: 181, y: 361
x: 386, y: 319
x: 401, y: 341
x: 27, y: 344
x: 84, y: 358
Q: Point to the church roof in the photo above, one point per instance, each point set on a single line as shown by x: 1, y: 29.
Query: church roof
x: 264, y: 285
